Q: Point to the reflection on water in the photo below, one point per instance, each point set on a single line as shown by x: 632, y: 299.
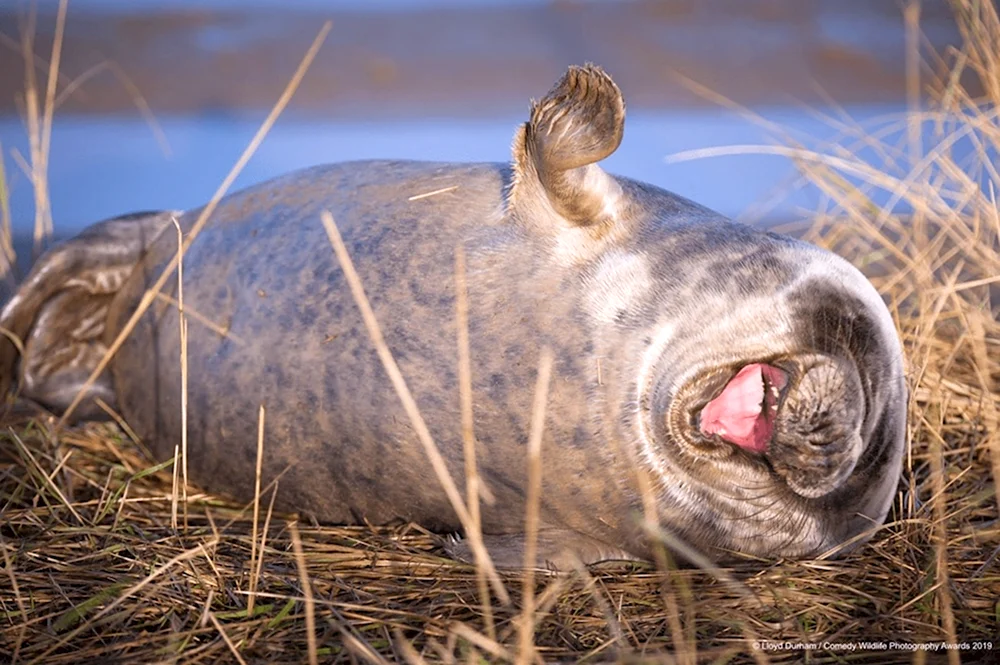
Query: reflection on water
x: 102, y: 167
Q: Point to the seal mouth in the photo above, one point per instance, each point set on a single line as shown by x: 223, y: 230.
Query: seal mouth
x: 743, y: 411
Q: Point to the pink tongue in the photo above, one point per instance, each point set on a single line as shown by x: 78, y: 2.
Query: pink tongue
x: 742, y: 413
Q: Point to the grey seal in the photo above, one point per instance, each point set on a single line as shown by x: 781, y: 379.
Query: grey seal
x: 754, y: 380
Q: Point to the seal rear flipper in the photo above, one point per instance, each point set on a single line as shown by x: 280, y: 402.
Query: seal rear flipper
x: 557, y: 549
x: 59, y: 313
x: 577, y: 124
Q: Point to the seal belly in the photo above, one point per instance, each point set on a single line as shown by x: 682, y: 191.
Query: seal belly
x: 263, y: 272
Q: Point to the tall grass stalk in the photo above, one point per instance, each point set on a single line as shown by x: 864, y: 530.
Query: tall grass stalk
x: 8, y: 257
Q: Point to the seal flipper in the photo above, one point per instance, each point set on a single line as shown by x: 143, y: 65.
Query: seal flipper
x: 578, y: 123
x: 59, y: 313
x: 557, y: 549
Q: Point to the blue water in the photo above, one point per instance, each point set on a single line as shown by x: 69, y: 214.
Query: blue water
x: 105, y: 166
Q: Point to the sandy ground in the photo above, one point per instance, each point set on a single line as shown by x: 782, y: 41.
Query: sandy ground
x: 476, y: 61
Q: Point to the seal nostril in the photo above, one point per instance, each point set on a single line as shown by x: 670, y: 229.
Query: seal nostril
x: 819, y: 431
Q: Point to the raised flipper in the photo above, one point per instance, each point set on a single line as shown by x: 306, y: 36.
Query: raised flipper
x: 60, y: 311
x: 557, y: 549
x: 578, y: 123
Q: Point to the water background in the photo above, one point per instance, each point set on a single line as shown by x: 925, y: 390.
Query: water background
x: 106, y: 164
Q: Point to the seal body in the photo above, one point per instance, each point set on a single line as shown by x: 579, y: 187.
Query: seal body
x: 745, y: 387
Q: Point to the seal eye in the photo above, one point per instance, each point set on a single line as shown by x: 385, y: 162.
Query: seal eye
x: 744, y: 412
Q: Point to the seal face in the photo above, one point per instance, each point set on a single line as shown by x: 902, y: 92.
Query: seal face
x: 744, y: 387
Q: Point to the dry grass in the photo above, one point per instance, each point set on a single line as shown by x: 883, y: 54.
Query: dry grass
x: 96, y: 570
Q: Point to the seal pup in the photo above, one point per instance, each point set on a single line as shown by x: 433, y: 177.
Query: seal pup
x: 753, y: 381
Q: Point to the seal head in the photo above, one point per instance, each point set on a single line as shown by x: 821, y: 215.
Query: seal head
x: 762, y: 376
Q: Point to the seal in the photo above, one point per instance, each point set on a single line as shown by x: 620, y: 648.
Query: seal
x: 746, y: 387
